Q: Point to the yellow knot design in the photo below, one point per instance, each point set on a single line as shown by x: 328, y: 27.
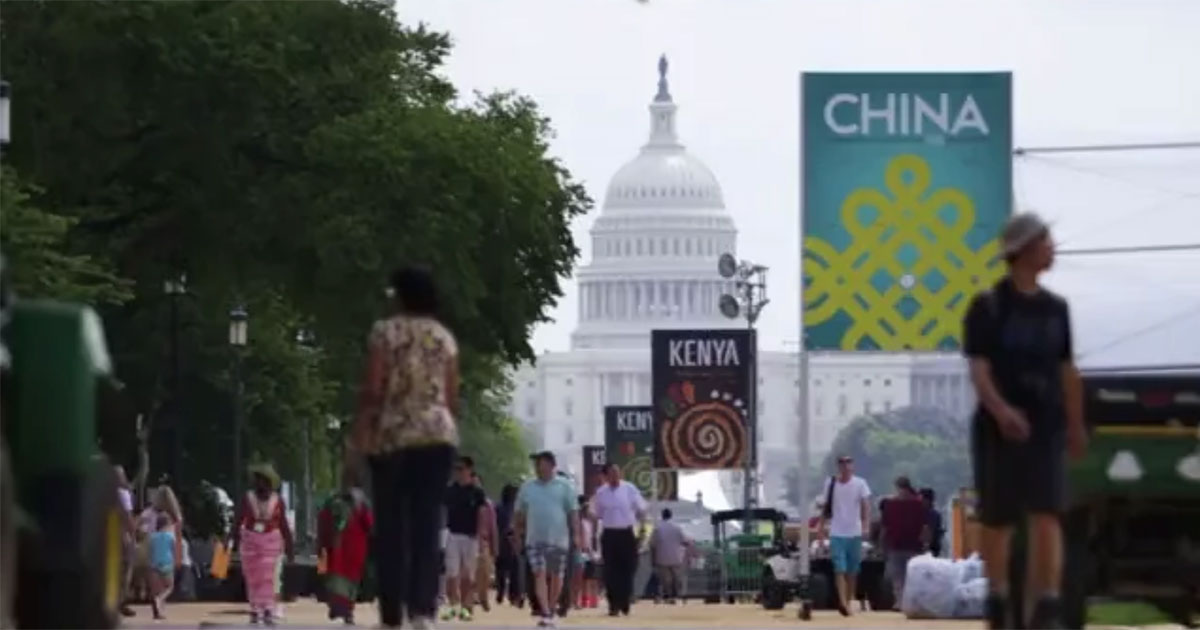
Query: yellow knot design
x: 910, y: 218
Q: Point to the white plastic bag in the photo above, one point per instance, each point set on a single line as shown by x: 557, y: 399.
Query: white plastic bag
x: 972, y: 568
x: 929, y: 588
x: 969, y: 599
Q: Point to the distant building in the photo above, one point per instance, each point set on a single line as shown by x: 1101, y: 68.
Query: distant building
x: 655, y: 245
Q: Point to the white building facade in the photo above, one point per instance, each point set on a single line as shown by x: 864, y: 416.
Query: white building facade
x: 662, y: 226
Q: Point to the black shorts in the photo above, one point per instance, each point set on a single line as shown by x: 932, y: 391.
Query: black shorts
x: 1013, y: 479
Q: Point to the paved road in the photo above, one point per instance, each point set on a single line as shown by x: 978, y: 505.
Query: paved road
x: 309, y: 614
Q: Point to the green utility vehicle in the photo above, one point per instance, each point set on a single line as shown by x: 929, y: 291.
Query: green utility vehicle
x: 1133, y: 527
x: 63, y: 521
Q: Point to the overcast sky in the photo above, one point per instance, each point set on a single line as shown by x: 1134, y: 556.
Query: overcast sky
x: 1085, y: 72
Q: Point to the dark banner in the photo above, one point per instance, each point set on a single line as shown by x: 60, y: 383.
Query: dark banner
x: 593, y: 468
x: 701, y: 388
x: 629, y: 443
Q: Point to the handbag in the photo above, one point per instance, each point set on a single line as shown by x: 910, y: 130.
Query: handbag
x: 219, y: 568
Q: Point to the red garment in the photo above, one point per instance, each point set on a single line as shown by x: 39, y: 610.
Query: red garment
x: 345, y: 549
x: 904, y: 519
x: 268, y: 515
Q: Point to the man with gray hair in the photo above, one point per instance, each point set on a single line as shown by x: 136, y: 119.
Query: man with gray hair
x: 1017, y: 337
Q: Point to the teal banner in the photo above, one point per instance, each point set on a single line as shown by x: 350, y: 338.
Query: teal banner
x: 907, y: 182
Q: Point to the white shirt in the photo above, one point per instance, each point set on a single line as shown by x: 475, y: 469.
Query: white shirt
x: 848, y: 499
x: 618, y: 508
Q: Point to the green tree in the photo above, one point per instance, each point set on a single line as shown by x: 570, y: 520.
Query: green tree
x: 926, y: 444
x: 286, y: 156
x: 40, y: 262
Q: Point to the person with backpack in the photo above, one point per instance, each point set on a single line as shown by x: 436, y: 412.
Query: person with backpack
x: 1017, y: 339
x: 847, y: 513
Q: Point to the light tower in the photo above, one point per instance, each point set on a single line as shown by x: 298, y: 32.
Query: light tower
x: 748, y: 300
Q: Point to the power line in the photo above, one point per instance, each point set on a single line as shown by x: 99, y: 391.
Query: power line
x: 1124, y: 369
x: 1195, y: 309
x: 1136, y: 249
x: 1107, y: 148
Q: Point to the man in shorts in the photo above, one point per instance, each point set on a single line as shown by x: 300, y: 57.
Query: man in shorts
x: 1018, y: 342
x: 466, y: 516
x: 847, y: 512
x: 547, y: 523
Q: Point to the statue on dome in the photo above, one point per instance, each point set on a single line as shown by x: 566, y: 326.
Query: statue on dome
x: 663, y: 93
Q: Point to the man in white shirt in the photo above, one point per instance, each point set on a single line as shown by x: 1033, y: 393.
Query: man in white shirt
x: 620, y: 507
x: 847, y: 514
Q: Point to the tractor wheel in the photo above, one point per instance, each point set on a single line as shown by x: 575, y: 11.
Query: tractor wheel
x: 105, y: 556
x: 83, y: 564
x: 821, y: 592
x: 774, y: 595
x: 1077, y: 568
x: 8, y: 540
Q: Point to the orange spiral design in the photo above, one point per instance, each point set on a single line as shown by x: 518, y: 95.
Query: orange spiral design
x: 709, y: 435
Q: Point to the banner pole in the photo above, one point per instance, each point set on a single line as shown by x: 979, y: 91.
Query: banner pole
x: 805, y: 560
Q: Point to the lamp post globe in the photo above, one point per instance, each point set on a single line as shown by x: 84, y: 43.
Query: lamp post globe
x: 239, y: 322
x: 5, y: 111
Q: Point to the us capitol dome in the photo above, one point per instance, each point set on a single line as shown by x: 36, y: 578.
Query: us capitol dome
x: 656, y: 242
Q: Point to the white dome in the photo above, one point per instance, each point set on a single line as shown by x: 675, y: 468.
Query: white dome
x: 656, y: 243
x: 664, y: 177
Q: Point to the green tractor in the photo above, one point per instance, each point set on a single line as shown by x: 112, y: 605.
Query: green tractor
x: 1132, y: 529
x: 63, y: 521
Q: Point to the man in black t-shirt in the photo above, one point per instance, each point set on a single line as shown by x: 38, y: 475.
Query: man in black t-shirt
x: 466, y: 515
x: 1018, y: 342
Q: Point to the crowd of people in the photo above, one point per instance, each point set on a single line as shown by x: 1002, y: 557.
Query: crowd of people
x: 909, y: 524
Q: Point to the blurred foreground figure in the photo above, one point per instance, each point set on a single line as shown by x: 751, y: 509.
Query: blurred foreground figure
x: 406, y: 427
x: 1018, y: 342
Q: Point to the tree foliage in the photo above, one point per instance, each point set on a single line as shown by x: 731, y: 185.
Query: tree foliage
x: 42, y: 263
x: 285, y: 156
x: 926, y: 444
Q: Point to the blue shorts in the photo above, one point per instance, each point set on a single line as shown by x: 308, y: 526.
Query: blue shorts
x: 846, y: 553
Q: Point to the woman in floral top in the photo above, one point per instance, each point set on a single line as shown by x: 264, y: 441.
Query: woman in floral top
x: 406, y: 427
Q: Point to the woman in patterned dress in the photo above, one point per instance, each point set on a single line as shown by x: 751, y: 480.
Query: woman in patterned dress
x: 263, y: 538
x: 406, y: 427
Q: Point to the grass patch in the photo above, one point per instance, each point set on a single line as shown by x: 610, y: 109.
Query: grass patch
x: 1125, y: 614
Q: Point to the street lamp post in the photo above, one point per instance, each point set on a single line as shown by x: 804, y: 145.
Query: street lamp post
x: 174, y: 289
x: 239, y: 323
x: 308, y: 343
x: 748, y: 301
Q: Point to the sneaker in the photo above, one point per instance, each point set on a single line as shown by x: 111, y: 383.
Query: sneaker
x: 126, y: 611
x: 254, y: 618
x: 464, y: 614
x: 421, y: 623
x: 268, y: 618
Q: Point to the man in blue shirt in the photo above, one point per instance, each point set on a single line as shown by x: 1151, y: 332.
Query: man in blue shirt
x: 546, y: 523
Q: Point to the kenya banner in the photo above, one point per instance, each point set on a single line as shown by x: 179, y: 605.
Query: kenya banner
x: 701, y: 387
x: 593, y: 468
x: 907, y: 183
x: 629, y: 443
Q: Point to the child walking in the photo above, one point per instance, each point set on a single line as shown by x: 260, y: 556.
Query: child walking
x: 162, y: 564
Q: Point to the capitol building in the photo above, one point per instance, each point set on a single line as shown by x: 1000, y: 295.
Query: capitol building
x: 662, y: 226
